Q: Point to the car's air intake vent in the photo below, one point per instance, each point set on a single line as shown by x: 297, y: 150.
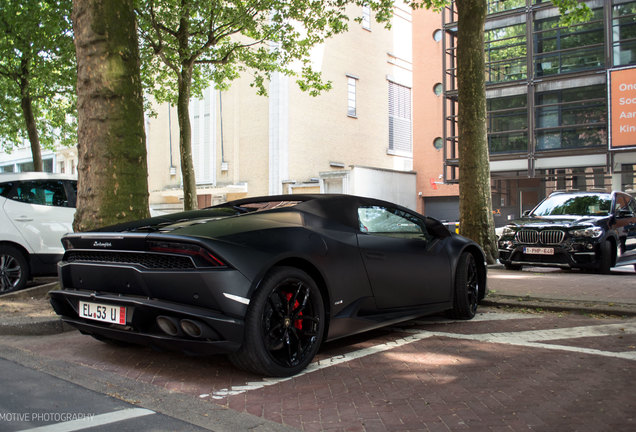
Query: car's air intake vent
x: 527, y: 236
x: 551, y: 236
x: 148, y: 260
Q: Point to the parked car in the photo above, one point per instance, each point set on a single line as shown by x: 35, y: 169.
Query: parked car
x: 586, y: 230
x: 36, y: 211
x: 266, y: 279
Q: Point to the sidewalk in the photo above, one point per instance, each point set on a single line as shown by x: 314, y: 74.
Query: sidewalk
x: 556, y: 289
x: 28, y: 312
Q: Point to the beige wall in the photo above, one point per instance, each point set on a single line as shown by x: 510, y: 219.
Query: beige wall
x: 318, y: 128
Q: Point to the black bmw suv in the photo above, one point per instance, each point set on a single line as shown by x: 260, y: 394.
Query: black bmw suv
x: 587, y: 230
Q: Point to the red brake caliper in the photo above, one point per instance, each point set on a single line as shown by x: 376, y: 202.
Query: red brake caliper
x: 298, y: 323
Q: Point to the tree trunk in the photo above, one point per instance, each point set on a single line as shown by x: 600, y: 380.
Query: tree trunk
x: 475, y: 200
x: 185, y: 142
x: 113, y: 174
x: 26, y: 103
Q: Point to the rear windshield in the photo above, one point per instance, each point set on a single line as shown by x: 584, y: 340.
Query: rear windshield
x: 265, y: 205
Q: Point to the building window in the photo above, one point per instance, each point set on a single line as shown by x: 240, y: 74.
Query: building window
x: 438, y: 143
x: 568, y: 49
x: 495, y: 6
x: 438, y: 35
x: 438, y: 89
x: 351, y: 96
x: 505, y: 50
x: 203, y: 137
x: 399, y: 118
x: 366, y: 17
x: 508, y: 124
x: 571, y: 118
x: 624, y: 34
x: 628, y: 177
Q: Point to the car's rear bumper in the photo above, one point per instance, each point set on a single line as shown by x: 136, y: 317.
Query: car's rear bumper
x: 220, y: 333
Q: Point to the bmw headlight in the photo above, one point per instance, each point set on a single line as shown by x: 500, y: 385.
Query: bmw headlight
x: 590, y: 232
x: 509, y: 231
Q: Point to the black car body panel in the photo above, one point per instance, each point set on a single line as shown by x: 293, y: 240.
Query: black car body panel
x: 206, y: 266
x: 574, y: 240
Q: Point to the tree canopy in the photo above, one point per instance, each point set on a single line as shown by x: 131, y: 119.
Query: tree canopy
x: 187, y: 45
x: 37, y: 75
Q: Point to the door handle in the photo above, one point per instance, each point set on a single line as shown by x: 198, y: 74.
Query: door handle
x: 24, y: 219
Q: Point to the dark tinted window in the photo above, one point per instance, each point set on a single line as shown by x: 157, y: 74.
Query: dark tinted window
x: 5, y: 188
x: 41, y: 192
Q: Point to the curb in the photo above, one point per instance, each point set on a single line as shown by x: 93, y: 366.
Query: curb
x: 38, y: 327
x: 28, y: 293
x: 558, y: 305
x: 32, y: 326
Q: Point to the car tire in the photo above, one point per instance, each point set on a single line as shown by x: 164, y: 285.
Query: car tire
x: 605, y: 257
x: 284, y: 325
x: 466, y: 293
x: 14, y: 269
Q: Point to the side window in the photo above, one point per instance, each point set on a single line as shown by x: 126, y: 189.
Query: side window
x: 5, y: 189
x: 391, y: 223
x: 41, y: 192
x: 621, y: 203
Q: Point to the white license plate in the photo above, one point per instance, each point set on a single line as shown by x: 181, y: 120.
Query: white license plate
x: 103, y: 312
x: 538, y: 251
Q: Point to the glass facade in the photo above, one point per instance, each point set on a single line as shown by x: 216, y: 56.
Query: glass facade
x: 557, y: 77
x: 507, y: 124
x: 506, y: 52
x: 624, y: 33
x: 547, y: 100
x: 571, y: 118
x: 560, y: 50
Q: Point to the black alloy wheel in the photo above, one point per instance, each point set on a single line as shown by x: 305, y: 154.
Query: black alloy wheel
x: 284, y: 325
x: 14, y: 269
x: 466, y: 295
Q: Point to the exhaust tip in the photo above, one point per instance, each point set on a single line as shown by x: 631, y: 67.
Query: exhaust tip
x: 168, y: 325
x: 191, y: 328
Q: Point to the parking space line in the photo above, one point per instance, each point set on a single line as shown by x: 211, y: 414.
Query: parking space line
x: 93, y: 421
x: 522, y: 338
x: 531, y: 338
x: 336, y: 360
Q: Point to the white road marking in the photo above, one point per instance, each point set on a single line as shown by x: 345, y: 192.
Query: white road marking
x: 531, y: 338
x: 522, y: 338
x: 94, y: 421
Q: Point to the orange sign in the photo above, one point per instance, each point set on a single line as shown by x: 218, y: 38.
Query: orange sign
x: 622, y: 108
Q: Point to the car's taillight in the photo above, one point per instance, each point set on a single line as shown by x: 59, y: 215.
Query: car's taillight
x: 185, y: 249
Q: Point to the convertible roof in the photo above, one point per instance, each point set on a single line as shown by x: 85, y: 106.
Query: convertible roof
x: 335, y: 207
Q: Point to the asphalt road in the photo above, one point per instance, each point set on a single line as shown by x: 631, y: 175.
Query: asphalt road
x: 506, y: 370
x: 36, y: 401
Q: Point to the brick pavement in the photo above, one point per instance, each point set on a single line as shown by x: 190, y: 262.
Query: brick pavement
x: 436, y: 383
